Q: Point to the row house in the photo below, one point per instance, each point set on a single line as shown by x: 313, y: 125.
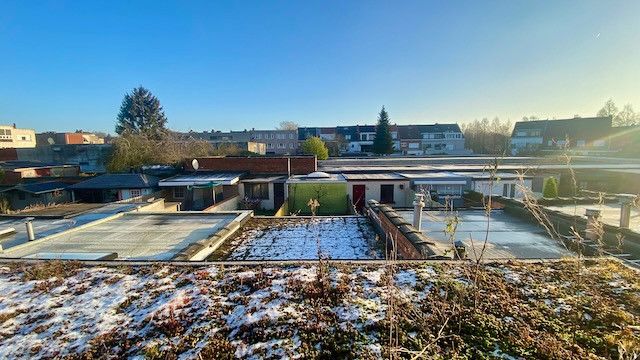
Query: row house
x: 14, y: 137
x: 587, y: 134
x: 407, y: 139
x: 276, y: 142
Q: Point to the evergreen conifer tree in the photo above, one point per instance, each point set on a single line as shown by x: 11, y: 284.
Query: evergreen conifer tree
x: 141, y: 113
x: 383, y: 143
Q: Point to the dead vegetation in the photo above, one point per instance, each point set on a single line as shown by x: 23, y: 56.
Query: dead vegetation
x: 523, y: 310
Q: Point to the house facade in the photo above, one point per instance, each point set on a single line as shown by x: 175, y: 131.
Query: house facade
x: 68, y: 138
x: 13, y: 137
x: 582, y: 134
x: 276, y: 142
x: 433, y: 139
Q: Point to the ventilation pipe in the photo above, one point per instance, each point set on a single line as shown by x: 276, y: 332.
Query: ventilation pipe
x: 593, y: 224
x: 418, y: 204
x: 29, y: 223
x: 626, y: 202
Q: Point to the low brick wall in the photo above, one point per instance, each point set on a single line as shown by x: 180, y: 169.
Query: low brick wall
x: 410, y: 242
x: 298, y: 165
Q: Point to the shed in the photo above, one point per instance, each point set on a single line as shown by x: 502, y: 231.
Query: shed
x: 330, y: 190
x: 113, y: 187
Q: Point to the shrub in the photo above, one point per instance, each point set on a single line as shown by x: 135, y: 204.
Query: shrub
x: 315, y: 146
x: 550, y: 189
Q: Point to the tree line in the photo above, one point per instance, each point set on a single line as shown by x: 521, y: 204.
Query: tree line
x: 144, y: 138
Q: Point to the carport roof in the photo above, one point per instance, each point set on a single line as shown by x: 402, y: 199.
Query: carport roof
x: 198, y: 179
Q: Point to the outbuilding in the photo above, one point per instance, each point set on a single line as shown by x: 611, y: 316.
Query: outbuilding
x: 386, y: 188
x: 329, y: 190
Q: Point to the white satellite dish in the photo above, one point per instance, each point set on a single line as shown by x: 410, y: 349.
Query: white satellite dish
x: 51, y: 141
x: 195, y: 164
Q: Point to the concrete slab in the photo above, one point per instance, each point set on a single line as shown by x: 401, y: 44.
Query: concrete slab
x: 610, y: 213
x: 508, y: 237
x: 139, y: 236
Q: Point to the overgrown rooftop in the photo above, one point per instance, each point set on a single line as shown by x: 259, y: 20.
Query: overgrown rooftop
x: 561, y: 309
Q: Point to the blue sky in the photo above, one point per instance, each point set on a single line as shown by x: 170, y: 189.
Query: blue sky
x: 242, y: 64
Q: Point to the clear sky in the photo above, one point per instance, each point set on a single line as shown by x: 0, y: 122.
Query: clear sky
x: 241, y: 64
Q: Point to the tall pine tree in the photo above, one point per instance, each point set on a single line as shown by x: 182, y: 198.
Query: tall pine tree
x: 141, y: 113
x: 383, y: 143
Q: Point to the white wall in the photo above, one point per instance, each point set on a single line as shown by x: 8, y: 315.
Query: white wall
x: 266, y: 204
x: 126, y: 193
x: 484, y: 187
x: 401, y: 197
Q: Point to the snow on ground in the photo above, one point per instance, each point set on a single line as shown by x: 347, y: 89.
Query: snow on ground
x: 307, y: 311
x: 335, y: 237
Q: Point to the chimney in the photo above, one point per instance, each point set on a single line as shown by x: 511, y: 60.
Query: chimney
x: 418, y: 204
x: 30, y: 234
x: 593, y: 230
x: 626, y: 202
x: 14, y: 125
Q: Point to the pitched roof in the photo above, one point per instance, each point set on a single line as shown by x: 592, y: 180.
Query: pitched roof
x: 24, y: 164
x: 40, y: 187
x: 576, y: 128
x: 117, y: 181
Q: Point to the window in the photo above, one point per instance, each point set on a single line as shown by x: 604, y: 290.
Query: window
x: 178, y: 192
x: 135, y: 192
x: 258, y: 136
x: 347, y: 137
x: 290, y: 145
x: 363, y: 137
x: 386, y: 194
x: 291, y: 136
x: 505, y: 190
x: 256, y: 191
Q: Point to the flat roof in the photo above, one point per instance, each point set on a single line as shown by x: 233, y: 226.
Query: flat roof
x: 508, y: 237
x: 133, y: 236
x: 473, y: 167
x: 374, y: 177
x: 298, y: 238
x: 202, y: 179
x: 263, y: 179
x: 48, y: 225
x: 302, y: 179
x: 497, y: 176
x: 61, y: 210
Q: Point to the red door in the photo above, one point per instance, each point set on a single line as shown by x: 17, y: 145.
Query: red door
x: 358, y: 197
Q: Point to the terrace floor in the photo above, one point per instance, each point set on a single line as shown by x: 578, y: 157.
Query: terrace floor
x: 507, y: 238
x: 299, y: 238
x: 610, y: 213
x: 138, y: 236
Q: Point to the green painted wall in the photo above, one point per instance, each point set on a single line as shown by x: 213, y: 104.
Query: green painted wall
x: 332, y: 198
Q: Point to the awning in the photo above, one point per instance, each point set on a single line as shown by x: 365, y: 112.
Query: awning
x: 197, y: 180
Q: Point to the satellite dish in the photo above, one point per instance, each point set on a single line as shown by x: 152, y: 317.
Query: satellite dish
x: 51, y: 141
x: 195, y: 164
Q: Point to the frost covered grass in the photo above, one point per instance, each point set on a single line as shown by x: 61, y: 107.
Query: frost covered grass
x: 298, y: 238
x: 526, y: 310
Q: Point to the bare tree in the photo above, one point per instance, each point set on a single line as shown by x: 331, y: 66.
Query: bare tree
x: 288, y: 125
